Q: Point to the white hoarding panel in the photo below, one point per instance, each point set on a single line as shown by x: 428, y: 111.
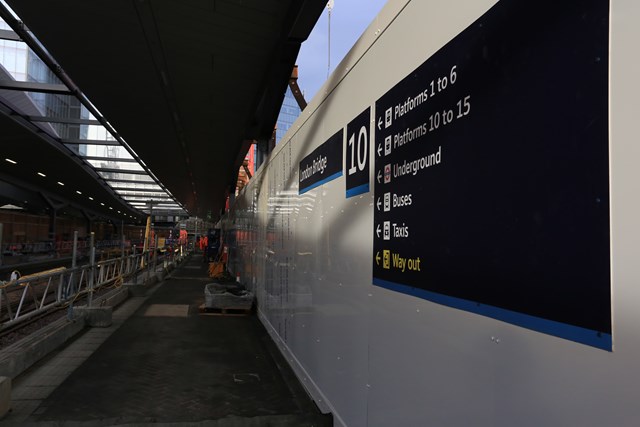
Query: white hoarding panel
x: 474, y: 259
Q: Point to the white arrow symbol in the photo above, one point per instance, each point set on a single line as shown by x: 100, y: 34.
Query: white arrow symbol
x: 379, y: 176
x: 378, y: 231
x: 379, y: 149
x: 379, y: 122
x: 378, y: 203
x: 378, y: 257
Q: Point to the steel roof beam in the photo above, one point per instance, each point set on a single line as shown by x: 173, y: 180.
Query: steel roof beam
x: 89, y: 142
x: 138, y: 190
x: 110, y: 159
x: 115, y: 170
x: 130, y: 181
x: 35, y: 87
x: 9, y: 35
x: 70, y: 121
x: 143, y: 199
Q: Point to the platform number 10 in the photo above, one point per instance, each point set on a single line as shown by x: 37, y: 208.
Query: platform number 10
x: 361, y: 150
x: 357, y: 154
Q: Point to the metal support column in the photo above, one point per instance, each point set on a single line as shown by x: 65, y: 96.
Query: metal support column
x: 1, y: 251
x: 52, y: 224
x: 92, y: 270
x: 122, y: 239
x: 74, y: 262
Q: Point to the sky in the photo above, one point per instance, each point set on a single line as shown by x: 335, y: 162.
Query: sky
x: 349, y: 19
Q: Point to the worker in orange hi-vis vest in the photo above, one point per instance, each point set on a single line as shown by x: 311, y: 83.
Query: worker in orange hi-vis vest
x: 205, y: 247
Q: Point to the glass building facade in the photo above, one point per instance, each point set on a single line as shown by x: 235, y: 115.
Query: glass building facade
x: 54, y: 105
x: 289, y: 112
x: 13, y: 56
x: 23, y: 65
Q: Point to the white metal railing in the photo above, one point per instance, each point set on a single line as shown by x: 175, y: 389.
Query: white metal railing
x: 34, y: 294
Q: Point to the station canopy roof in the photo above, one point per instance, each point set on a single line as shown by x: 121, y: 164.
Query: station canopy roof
x: 168, y: 96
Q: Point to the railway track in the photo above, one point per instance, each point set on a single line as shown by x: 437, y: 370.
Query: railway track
x: 16, y: 331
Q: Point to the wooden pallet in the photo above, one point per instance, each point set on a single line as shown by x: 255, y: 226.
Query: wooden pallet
x: 227, y: 311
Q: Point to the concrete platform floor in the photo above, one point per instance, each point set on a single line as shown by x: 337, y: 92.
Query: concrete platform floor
x: 161, y: 362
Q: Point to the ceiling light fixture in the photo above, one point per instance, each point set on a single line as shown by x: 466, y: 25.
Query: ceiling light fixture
x: 41, y: 174
x: 11, y: 161
x: 61, y: 183
x: 79, y: 192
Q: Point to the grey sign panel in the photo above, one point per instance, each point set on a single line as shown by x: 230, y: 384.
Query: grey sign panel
x: 324, y: 164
